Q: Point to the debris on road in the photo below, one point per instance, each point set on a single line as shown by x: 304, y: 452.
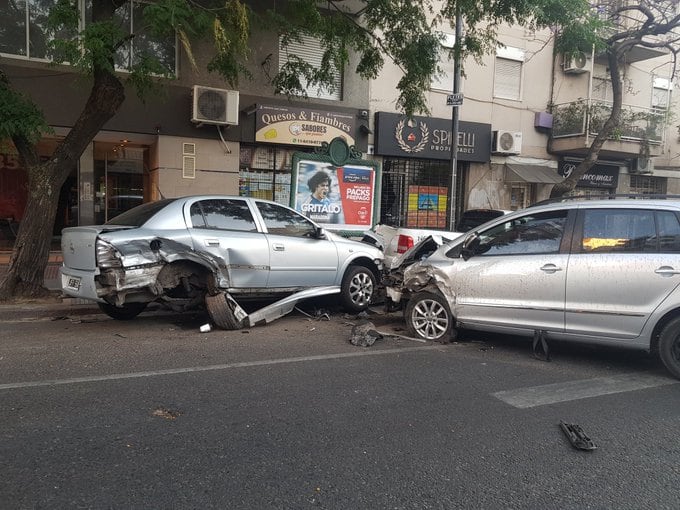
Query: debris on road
x: 364, y: 334
x: 542, y: 354
x: 205, y: 328
x: 168, y: 414
x: 577, y: 437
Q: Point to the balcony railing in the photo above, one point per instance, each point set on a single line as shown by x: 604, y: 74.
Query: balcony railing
x: 645, y: 125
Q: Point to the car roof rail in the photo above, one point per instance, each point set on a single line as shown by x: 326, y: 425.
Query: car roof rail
x: 632, y: 196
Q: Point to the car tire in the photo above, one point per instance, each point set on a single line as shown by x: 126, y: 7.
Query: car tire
x: 221, y: 314
x: 358, y: 289
x: 428, y: 317
x: 123, y: 313
x: 669, y: 347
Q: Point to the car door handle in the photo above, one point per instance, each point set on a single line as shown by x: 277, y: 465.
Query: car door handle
x: 666, y: 271
x: 550, y: 268
x: 278, y: 247
x: 212, y: 242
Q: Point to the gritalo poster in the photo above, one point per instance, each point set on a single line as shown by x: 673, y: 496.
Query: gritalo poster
x: 337, y: 197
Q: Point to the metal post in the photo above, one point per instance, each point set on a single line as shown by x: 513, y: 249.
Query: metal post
x: 455, y: 116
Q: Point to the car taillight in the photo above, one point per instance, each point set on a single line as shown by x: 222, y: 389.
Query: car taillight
x: 404, y: 243
x: 107, y: 255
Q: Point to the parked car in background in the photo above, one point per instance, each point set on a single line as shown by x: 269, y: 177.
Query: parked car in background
x: 394, y: 241
x: 472, y: 218
x: 212, y: 251
x: 592, y: 271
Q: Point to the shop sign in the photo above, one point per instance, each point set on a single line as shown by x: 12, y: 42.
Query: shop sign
x: 302, y: 126
x: 338, y: 194
x: 599, y: 176
x: 430, y: 138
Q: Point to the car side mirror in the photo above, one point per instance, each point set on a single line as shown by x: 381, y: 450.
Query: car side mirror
x: 470, y: 246
x: 320, y: 233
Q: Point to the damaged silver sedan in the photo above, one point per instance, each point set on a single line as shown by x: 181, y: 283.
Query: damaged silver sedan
x: 212, y: 251
x: 590, y: 271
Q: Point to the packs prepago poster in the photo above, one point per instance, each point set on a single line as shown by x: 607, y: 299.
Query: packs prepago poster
x: 337, y: 197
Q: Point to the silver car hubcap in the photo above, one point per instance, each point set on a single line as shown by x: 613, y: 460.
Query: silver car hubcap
x: 361, y: 289
x: 430, y: 319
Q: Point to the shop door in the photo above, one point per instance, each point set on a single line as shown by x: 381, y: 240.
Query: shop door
x: 119, y: 180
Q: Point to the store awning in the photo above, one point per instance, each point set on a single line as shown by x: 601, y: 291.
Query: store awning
x: 531, y: 173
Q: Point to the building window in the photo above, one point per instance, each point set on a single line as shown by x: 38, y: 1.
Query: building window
x: 507, y: 82
x: 602, y: 89
x: 143, y: 44
x: 647, y: 185
x: 24, y: 33
x: 661, y: 95
x: 444, y: 80
x: 309, y: 50
x: 23, y: 29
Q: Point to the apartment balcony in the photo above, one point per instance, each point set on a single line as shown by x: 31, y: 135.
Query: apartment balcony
x: 576, y: 124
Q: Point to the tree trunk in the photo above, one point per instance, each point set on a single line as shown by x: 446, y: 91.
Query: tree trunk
x: 31, y: 248
x: 25, y: 277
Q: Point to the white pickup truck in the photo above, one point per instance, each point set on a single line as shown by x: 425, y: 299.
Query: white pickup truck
x: 394, y: 241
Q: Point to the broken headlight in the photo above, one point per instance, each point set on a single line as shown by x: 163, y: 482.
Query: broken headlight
x: 107, y: 255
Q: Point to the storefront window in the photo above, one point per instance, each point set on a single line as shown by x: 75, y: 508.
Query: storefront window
x: 264, y: 172
x: 519, y: 196
x: 415, y: 193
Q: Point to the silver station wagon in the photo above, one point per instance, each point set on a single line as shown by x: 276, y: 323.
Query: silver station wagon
x: 212, y: 251
x: 593, y: 271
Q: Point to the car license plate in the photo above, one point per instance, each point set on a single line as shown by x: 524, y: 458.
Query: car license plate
x: 73, y: 283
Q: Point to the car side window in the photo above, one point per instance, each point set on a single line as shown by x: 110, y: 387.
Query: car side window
x: 619, y: 230
x: 669, y: 232
x: 222, y: 214
x: 527, y: 235
x: 282, y: 221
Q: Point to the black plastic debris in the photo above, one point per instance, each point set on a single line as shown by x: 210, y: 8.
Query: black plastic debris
x: 539, y: 347
x: 364, y: 334
x: 577, y: 437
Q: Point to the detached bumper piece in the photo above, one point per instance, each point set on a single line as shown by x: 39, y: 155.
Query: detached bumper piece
x: 577, y: 437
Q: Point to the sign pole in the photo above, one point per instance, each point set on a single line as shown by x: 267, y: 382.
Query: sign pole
x: 455, y: 120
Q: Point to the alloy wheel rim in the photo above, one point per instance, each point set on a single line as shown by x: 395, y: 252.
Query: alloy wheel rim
x: 361, y: 289
x: 430, y: 319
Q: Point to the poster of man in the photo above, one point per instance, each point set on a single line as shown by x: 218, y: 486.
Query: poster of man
x: 337, y: 197
x: 318, y: 198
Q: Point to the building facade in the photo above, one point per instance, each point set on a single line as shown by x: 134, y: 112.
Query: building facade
x: 527, y: 117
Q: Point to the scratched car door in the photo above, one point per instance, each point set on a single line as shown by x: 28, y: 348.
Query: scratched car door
x: 225, y: 229
x: 297, y: 257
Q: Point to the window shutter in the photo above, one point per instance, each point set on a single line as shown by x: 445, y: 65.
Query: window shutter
x: 507, y: 78
x: 310, y: 51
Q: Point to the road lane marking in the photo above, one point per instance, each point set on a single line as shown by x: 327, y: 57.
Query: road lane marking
x: 209, y: 368
x: 535, y: 396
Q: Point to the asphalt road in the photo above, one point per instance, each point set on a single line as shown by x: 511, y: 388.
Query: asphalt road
x: 152, y: 413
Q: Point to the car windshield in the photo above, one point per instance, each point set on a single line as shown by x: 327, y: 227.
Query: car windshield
x: 137, y: 216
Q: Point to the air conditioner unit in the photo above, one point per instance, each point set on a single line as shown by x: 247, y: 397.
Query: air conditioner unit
x: 507, y: 142
x: 214, y: 106
x: 643, y: 166
x: 575, y: 64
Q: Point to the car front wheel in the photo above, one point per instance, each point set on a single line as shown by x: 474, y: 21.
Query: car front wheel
x: 427, y: 316
x: 221, y: 312
x: 358, y: 288
x: 669, y: 347
x: 122, y: 313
